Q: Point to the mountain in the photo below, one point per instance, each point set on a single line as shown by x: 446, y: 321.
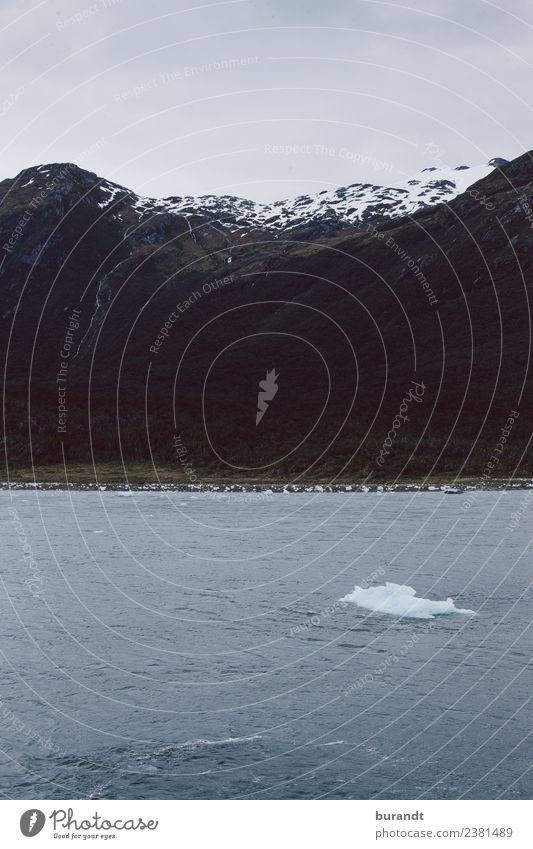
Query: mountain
x: 359, y: 202
x: 353, y: 204
x: 127, y: 321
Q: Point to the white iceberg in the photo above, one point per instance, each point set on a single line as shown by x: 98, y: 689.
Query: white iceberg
x: 399, y: 600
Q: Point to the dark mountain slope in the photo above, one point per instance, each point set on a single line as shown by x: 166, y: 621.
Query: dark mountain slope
x: 181, y: 314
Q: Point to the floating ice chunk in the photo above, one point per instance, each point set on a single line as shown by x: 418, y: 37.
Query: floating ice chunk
x: 399, y: 600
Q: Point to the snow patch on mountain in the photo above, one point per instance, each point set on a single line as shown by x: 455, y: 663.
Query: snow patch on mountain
x: 352, y: 204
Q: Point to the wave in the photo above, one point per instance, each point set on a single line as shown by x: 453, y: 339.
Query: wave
x: 226, y: 741
x: 399, y: 600
x: 193, y: 745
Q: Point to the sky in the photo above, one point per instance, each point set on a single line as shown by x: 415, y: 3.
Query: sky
x: 265, y: 99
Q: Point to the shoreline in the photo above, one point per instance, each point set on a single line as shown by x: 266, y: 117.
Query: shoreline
x: 144, y: 479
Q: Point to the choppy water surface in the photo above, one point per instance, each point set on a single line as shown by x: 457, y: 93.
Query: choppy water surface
x: 177, y: 646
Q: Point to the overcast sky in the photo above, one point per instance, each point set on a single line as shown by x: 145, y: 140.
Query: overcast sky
x: 263, y: 98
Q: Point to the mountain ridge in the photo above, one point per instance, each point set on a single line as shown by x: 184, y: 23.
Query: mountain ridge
x: 344, y: 205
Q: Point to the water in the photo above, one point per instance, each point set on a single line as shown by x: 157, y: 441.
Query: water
x: 173, y: 646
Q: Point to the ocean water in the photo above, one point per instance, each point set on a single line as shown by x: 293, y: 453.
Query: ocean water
x: 170, y: 645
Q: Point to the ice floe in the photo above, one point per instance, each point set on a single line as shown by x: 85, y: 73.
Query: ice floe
x: 400, y: 600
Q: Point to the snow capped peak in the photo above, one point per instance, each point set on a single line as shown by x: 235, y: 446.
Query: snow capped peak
x: 353, y: 204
